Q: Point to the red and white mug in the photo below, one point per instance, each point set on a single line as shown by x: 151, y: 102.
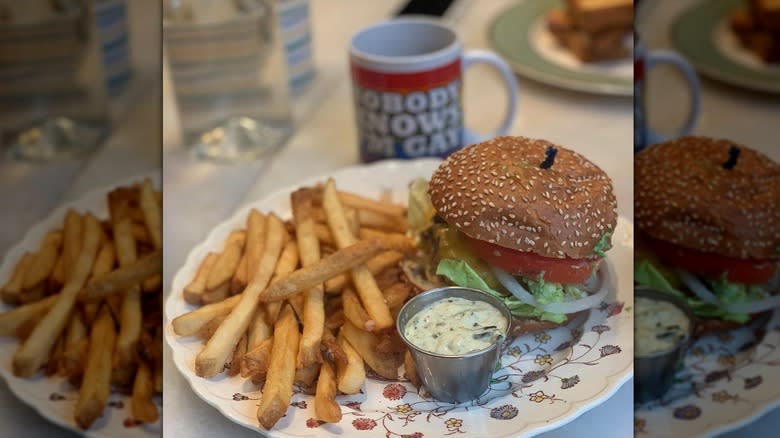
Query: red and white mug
x: 407, y: 81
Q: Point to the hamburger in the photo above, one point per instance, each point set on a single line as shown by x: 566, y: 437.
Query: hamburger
x: 708, y: 214
x: 525, y: 220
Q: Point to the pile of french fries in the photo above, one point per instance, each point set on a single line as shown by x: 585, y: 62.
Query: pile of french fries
x: 89, y: 305
x: 309, y: 302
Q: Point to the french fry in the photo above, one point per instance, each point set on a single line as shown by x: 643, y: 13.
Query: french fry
x: 288, y: 261
x: 325, y: 407
x: 396, y: 295
x: 71, y: 242
x: 226, y: 264
x: 354, y: 311
x: 95, y: 386
x: 57, y: 278
x: 33, y: 351
x: 193, y: 292
x: 141, y: 404
x: 351, y: 375
x: 152, y: 284
x: 141, y: 234
x: 13, y: 320
x: 53, y: 364
x: 104, y: 263
x: 335, y: 319
x: 234, y: 366
x: 259, y: 331
x: 375, y: 265
x: 211, y: 359
x: 323, y: 234
x: 277, y: 391
x: 208, y: 329
x: 241, y: 276
x: 306, y: 376
x: 74, y: 337
x: 393, y: 239
x: 189, y: 323
x: 31, y: 295
x: 216, y: 295
x: 389, y: 342
x: 255, y: 362
x: 384, y: 364
x: 364, y: 282
x: 130, y: 310
x: 43, y: 264
x: 13, y: 288
x: 357, y: 202
x: 372, y: 219
x: 328, y: 267
x: 410, y: 370
x: 331, y: 349
x: 122, y: 278
x: 255, y: 240
x: 151, y: 212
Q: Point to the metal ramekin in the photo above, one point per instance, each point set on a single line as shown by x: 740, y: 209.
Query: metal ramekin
x: 453, y: 378
x: 654, y: 374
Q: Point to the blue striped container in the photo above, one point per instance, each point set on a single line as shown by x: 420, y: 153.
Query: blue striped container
x: 114, y: 42
x: 295, y: 26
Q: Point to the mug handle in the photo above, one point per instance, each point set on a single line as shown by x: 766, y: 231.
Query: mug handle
x: 656, y: 57
x: 483, y: 56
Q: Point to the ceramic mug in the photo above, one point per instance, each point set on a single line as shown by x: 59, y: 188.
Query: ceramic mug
x: 644, y: 60
x: 407, y: 81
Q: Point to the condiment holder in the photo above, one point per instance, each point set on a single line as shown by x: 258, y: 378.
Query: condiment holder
x: 454, y: 378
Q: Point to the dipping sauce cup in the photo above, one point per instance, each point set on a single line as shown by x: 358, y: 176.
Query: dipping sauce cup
x: 654, y: 372
x: 454, y: 378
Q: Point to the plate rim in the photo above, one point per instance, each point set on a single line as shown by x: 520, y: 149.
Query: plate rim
x: 612, y: 382
x: 733, y: 425
x: 555, y: 81
x: 17, y: 385
x: 703, y: 64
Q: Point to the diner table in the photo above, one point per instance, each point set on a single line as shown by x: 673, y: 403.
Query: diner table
x: 30, y: 191
x: 199, y: 195
x: 726, y: 111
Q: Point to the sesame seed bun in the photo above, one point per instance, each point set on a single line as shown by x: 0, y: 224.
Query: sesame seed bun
x: 496, y: 191
x: 684, y: 195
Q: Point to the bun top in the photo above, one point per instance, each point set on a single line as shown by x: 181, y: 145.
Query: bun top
x: 685, y: 193
x: 497, y: 191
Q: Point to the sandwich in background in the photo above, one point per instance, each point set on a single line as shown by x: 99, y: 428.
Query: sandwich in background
x: 594, y: 30
x: 758, y: 28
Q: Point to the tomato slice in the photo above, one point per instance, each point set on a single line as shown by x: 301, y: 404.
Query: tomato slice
x: 528, y: 264
x: 750, y: 271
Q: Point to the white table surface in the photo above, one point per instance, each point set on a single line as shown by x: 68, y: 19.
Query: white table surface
x: 199, y: 195
x: 726, y: 112
x: 29, y: 192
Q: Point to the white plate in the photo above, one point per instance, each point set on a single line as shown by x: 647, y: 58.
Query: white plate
x: 731, y: 389
x: 577, y: 378
x: 53, y: 397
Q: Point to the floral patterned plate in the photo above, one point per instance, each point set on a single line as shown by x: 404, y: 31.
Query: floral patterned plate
x: 546, y: 379
x: 727, y: 382
x: 54, y: 398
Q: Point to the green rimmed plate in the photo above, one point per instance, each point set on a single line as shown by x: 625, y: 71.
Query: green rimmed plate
x: 520, y: 35
x: 702, y: 35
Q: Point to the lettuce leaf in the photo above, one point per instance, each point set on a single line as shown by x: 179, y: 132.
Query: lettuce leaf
x: 604, y: 244
x: 646, y: 274
x: 546, y: 293
x: 420, y: 211
x: 462, y: 274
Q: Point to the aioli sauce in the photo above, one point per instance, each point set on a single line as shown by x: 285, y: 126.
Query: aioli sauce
x: 456, y: 326
x: 658, y: 326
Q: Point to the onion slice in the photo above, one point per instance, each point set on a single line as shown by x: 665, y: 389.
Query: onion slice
x: 703, y: 292
x: 566, y: 307
x: 698, y: 288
